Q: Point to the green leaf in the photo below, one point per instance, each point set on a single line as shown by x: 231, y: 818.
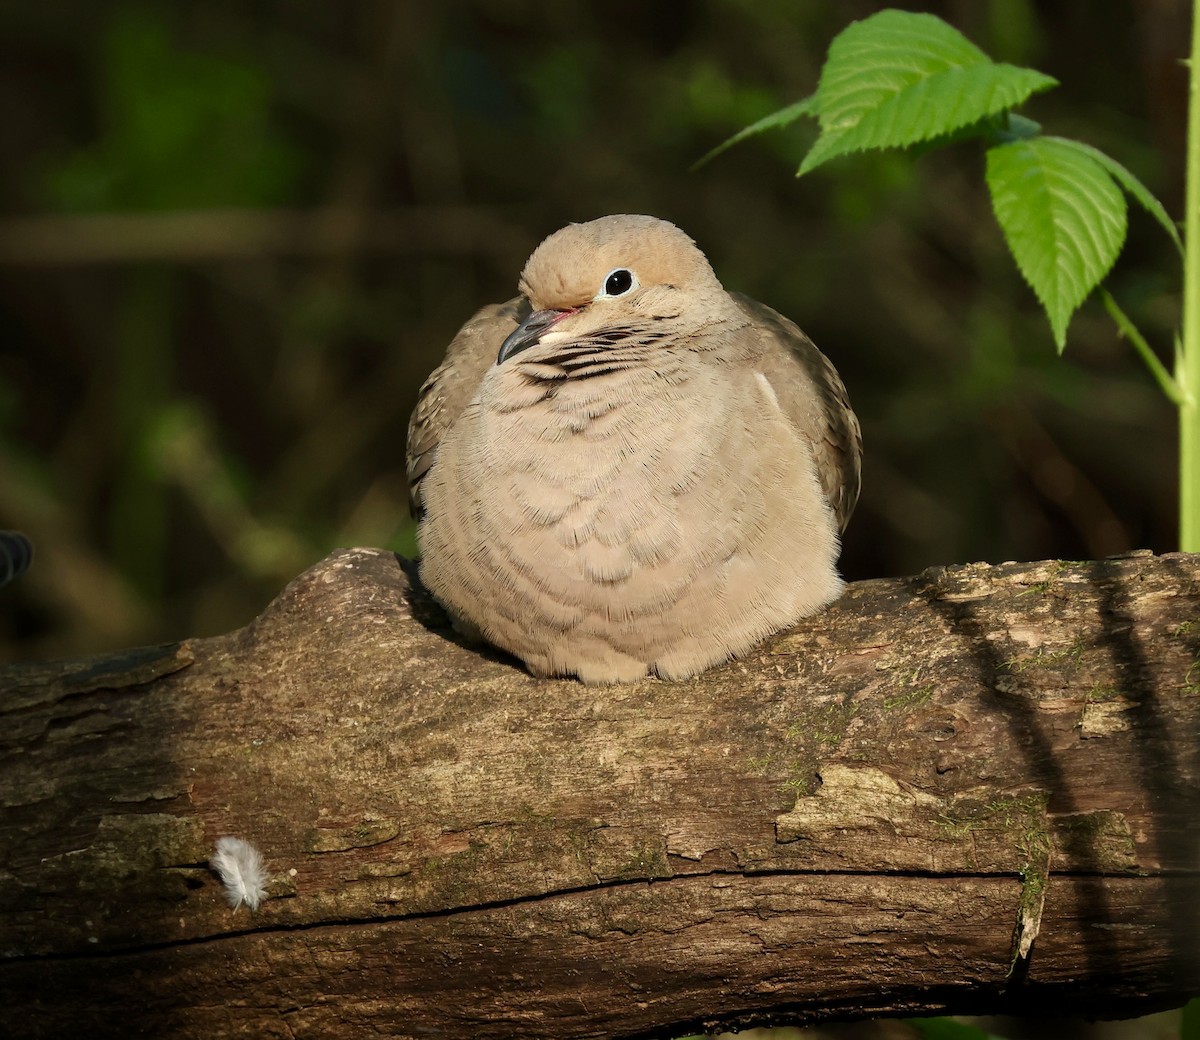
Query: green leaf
x: 1131, y: 184
x: 785, y: 116
x: 898, y: 78
x: 1017, y: 127
x: 1063, y: 217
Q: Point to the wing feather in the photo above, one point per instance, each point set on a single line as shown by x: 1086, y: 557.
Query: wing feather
x: 452, y: 385
x: 812, y: 396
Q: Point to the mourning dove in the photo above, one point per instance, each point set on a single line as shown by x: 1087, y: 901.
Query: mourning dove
x: 628, y: 470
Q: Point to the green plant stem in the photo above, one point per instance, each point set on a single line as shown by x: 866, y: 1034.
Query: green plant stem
x: 1131, y: 333
x: 1187, y: 363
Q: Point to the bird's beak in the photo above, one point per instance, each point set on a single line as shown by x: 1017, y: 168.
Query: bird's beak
x: 528, y: 333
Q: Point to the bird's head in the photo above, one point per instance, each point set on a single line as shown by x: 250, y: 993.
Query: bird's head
x: 606, y: 275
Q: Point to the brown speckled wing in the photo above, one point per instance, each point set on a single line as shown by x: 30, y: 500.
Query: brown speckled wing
x: 812, y: 396
x: 452, y: 384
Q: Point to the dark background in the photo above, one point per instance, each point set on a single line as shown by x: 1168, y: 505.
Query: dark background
x: 236, y: 235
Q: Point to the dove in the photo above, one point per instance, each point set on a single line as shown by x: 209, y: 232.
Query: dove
x: 626, y: 470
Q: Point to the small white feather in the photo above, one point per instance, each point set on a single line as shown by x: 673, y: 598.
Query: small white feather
x: 239, y: 865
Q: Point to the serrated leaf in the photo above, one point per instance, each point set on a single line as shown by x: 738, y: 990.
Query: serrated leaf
x: 899, y: 78
x: 1131, y: 184
x: 1018, y: 127
x: 783, y: 117
x: 1063, y: 218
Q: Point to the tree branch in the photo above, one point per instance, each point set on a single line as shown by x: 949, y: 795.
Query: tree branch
x: 974, y: 790
x: 189, y: 236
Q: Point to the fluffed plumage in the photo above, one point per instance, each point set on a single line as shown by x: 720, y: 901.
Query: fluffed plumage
x: 628, y: 470
x: 240, y: 867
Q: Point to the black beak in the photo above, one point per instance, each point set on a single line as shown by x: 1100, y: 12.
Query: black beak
x: 528, y: 333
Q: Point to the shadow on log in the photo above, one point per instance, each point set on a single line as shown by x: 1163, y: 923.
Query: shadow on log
x: 971, y: 791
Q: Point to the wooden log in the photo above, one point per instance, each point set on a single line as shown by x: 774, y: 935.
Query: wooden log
x: 971, y: 791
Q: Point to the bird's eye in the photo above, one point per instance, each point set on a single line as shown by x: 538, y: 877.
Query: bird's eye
x: 618, y: 282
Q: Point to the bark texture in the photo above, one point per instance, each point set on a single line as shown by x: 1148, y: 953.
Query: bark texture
x: 974, y: 790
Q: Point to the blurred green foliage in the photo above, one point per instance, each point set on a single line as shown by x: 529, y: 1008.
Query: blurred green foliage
x: 165, y: 113
x: 948, y: 1029
x: 1190, y: 1023
x: 193, y: 410
x: 179, y: 128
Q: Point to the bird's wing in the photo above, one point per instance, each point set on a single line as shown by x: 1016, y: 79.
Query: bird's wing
x: 453, y: 383
x: 812, y: 396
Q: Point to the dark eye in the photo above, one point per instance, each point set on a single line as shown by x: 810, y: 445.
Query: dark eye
x: 618, y: 282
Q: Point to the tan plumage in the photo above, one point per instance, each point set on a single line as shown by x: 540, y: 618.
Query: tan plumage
x: 649, y: 481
